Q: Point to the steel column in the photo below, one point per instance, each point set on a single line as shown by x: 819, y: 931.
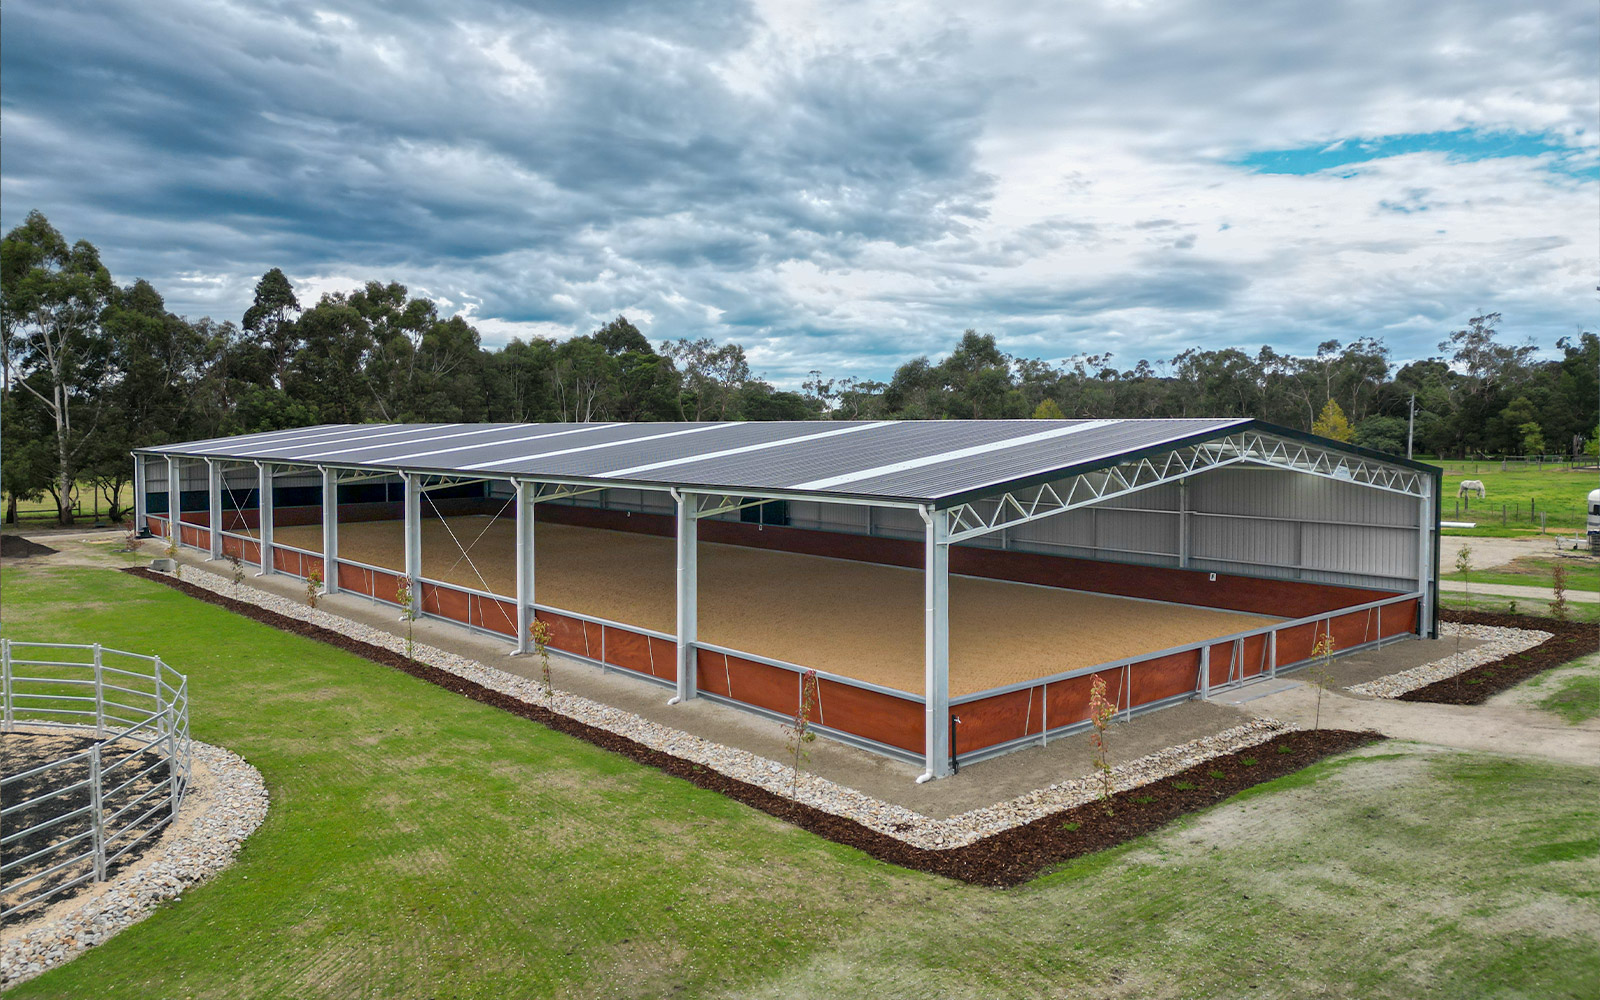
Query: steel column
x: 1425, y: 541
x: 688, y: 539
x: 413, y: 541
x: 330, y: 531
x: 174, y: 500
x: 139, y: 501
x: 214, y: 505
x: 525, y: 565
x: 936, y: 645
x: 1205, y: 671
x: 1183, y: 524
x: 264, y: 515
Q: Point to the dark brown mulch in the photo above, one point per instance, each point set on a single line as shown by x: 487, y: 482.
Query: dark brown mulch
x: 1567, y: 642
x: 1004, y: 859
x: 18, y: 547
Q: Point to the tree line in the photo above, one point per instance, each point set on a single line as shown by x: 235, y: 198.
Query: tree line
x: 93, y: 369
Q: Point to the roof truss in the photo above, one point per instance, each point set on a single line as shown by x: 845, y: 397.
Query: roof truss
x: 1012, y: 508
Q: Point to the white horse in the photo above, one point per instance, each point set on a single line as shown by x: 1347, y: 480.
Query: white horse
x: 1471, y: 486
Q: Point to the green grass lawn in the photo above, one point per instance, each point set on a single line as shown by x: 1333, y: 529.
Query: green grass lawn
x: 1536, y: 571
x: 423, y: 845
x: 1523, y: 491
x: 1577, y: 611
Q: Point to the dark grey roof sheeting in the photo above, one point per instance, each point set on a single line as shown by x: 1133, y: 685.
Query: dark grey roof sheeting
x: 918, y: 461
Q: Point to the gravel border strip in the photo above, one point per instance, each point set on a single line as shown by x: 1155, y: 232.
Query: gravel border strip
x: 906, y: 825
x: 1568, y: 641
x: 217, y: 815
x: 1499, y: 642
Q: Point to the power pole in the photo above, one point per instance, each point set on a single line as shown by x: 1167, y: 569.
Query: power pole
x: 1411, y: 424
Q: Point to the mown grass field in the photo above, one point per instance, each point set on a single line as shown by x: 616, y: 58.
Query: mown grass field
x: 1523, y: 491
x: 421, y: 845
x: 1535, y: 571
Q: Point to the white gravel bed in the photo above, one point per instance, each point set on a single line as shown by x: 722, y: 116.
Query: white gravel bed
x: 224, y: 804
x: 829, y: 796
x: 1498, y: 642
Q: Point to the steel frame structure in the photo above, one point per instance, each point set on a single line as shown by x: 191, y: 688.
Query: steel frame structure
x: 943, y: 525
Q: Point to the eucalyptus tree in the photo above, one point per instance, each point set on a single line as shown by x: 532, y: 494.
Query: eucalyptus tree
x: 56, y: 349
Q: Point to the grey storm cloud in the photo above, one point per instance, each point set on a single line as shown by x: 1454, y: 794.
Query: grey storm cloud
x: 849, y: 185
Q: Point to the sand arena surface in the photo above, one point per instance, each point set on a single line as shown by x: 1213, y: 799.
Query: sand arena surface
x: 856, y: 619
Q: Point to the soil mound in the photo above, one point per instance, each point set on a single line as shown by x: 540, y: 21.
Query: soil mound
x: 17, y: 547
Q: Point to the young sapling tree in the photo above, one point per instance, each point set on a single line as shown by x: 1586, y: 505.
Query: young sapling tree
x: 1558, y: 580
x: 800, y: 734
x: 539, y: 633
x: 313, y: 587
x: 408, y: 614
x: 237, y: 566
x: 1101, y: 711
x: 1321, y: 674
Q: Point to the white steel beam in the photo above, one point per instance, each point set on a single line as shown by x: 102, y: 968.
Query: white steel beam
x: 413, y: 537
x: 174, y: 500
x: 688, y: 537
x: 139, y: 499
x: 526, y: 506
x: 1184, y: 524
x: 330, y: 531
x: 936, y: 645
x: 1425, y: 536
x: 214, y: 505
x: 264, y: 515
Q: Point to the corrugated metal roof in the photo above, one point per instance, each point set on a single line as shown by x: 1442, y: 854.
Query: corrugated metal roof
x: 917, y: 461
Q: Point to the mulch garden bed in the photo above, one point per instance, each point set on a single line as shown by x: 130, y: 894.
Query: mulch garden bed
x: 1009, y: 858
x: 18, y: 547
x: 1567, y: 642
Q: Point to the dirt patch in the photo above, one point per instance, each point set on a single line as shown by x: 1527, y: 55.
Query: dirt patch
x: 123, y: 764
x: 1567, y: 642
x: 1004, y: 859
x: 18, y: 547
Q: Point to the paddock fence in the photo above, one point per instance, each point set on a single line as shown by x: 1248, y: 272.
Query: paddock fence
x: 71, y: 820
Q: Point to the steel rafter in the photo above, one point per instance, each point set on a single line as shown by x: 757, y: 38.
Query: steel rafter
x: 540, y: 491
x: 1016, y: 507
x: 712, y: 504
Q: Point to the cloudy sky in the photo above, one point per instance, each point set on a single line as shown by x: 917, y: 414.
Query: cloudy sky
x: 837, y: 186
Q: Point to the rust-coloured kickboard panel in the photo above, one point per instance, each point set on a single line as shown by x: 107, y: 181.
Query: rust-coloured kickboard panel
x: 990, y: 721
x: 872, y: 714
x: 768, y: 687
x: 566, y: 634
x: 1164, y: 677
x: 629, y: 650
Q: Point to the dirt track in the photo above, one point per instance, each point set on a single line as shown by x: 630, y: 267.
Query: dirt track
x: 856, y: 619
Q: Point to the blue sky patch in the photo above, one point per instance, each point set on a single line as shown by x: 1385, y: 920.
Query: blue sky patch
x: 1461, y: 145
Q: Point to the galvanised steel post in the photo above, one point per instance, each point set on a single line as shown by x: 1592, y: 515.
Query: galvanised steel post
x: 413, y: 539
x: 139, y: 499
x: 936, y: 644
x: 97, y: 816
x: 330, y: 531
x: 1183, y: 524
x: 100, y: 694
x: 264, y: 515
x: 5, y: 684
x: 688, y: 538
x: 214, y: 505
x: 174, y: 500
x: 1425, y: 541
x: 526, y: 507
